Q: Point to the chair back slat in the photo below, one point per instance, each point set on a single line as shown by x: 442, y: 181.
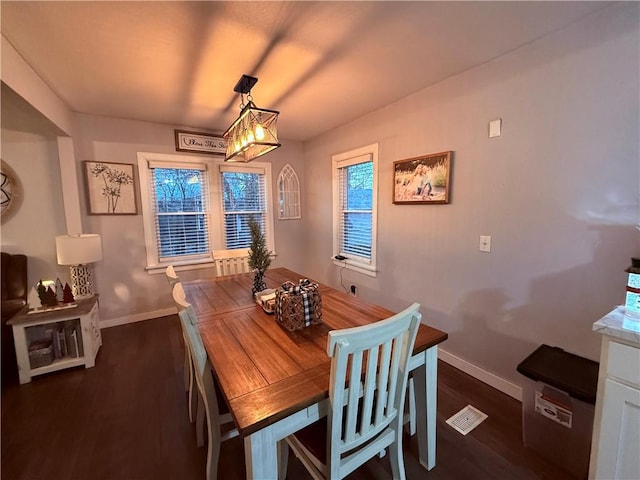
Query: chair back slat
x: 394, y: 370
x: 383, y: 381
x: 369, y: 390
x: 352, y: 398
x: 366, y: 405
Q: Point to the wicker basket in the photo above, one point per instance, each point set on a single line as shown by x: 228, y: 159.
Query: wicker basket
x: 40, y: 354
x: 293, y: 301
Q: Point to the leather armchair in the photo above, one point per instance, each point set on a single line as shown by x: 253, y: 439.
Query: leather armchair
x: 14, y: 297
x: 14, y: 284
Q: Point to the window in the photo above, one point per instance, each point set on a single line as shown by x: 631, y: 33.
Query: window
x: 181, y: 210
x: 288, y: 194
x: 193, y: 206
x: 243, y: 198
x: 355, y: 192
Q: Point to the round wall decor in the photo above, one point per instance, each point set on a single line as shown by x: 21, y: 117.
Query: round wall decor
x: 10, y: 191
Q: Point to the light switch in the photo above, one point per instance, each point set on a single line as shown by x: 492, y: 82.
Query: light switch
x: 495, y: 127
x: 485, y: 243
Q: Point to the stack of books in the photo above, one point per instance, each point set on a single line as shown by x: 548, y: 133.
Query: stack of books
x: 67, y: 340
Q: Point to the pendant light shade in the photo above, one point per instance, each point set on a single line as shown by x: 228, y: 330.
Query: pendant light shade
x: 255, y: 131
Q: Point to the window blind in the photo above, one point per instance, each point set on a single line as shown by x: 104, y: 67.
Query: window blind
x: 356, y: 209
x: 243, y: 198
x: 181, y: 210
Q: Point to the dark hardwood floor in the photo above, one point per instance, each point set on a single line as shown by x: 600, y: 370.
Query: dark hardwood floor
x: 126, y: 419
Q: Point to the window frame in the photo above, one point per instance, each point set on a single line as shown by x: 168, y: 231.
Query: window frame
x: 339, y: 161
x: 216, y: 216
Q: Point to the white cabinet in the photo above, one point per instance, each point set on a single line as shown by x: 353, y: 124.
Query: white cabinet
x: 80, y: 327
x: 615, y: 450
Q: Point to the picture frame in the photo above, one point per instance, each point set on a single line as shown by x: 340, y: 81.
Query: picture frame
x: 111, y: 188
x: 424, y: 179
x: 209, y: 143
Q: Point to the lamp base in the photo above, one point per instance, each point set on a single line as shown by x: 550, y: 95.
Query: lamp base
x: 82, y: 281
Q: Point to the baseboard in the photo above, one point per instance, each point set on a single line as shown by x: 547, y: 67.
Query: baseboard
x: 114, y: 322
x: 489, y: 378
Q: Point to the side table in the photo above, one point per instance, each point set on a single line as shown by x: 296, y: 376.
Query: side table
x: 31, y: 327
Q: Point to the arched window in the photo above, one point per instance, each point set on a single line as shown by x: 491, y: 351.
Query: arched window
x: 288, y: 194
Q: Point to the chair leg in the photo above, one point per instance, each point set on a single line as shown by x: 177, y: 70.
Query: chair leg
x: 210, y: 410
x: 200, y: 418
x: 283, y: 459
x: 213, y: 453
x: 396, y: 458
x: 411, y: 398
x: 189, y: 382
x: 194, y: 395
x: 187, y: 370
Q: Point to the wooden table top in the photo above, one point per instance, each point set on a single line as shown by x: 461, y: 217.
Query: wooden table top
x: 266, y: 372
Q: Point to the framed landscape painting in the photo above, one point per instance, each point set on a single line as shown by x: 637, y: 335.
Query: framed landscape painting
x: 422, y: 179
x: 110, y: 188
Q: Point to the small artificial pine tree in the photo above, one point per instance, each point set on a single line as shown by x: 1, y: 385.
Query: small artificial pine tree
x: 42, y: 293
x: 68, y: 294
x: 51, y: 299
x: 259, y: 256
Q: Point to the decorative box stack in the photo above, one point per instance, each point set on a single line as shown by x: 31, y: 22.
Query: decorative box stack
x: 298, y: 306
x: 632, y: 301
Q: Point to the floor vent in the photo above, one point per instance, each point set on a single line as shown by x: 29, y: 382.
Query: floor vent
x: 467, y: 419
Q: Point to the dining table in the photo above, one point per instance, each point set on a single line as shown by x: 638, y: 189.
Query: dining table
x: 276, y: 381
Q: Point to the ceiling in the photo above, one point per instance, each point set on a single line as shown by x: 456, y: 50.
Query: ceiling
x: 321, y: 64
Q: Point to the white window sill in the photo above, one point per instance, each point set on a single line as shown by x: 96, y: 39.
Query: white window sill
x: 180, y: 266
x: 359, y: 267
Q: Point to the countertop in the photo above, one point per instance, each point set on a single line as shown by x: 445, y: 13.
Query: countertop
x: 617, y: 324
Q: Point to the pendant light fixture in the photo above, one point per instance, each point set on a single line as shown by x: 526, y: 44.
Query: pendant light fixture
x: 255, y: 131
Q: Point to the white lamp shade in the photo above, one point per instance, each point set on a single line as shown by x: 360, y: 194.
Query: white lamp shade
x: 79, y: 249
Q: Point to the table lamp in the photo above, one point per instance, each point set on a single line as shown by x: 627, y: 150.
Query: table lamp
x: 80, y: 251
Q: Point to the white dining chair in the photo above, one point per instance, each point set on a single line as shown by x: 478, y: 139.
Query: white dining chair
x: 229, y: 262
x: 367, y: 388
x: 220, y: 425
x: 189, y: 387
x: 196, y: 402
x: 172, y: 276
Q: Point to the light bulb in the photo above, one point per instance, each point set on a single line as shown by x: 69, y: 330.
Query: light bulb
x: 250, y: 137
x: 259, y: 132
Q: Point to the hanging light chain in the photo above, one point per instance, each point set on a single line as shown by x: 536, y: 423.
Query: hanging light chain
x: 248, y: 100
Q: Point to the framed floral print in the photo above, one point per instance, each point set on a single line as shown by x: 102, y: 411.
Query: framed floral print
x: 110, y: 188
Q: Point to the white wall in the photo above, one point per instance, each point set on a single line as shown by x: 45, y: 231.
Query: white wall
x: 32, y: 229
x: 127, y: 291
x: 558, y: 192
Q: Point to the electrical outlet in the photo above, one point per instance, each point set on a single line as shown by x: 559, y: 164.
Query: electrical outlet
x: 495, y: 128
x: 353, y: 290
x: 485, y: 243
